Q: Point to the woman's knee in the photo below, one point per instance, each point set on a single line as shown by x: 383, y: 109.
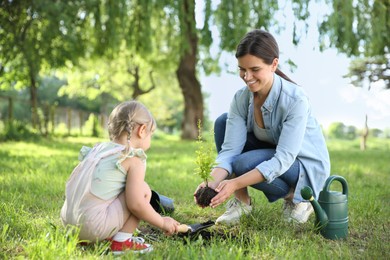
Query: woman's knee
x: 219, y: 131
x: 240, y: 166
x: 220, y: 122
x: 275, y: 190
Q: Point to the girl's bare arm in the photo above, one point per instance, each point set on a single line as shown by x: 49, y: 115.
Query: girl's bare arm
x: 138, y: 193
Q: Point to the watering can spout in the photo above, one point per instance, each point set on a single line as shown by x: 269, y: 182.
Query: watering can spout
x: 322, y: 217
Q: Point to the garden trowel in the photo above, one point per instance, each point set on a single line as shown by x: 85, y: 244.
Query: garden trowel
x: 194, y: 229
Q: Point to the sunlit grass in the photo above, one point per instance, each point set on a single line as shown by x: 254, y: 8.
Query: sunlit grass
x: 32, y: 183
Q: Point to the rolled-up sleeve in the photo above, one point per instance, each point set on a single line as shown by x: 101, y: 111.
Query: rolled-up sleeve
x: 290, y: 140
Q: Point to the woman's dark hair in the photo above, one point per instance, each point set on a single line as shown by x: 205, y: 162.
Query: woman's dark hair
x: 263, y: 45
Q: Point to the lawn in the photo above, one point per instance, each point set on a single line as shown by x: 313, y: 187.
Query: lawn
x: 32, y: 182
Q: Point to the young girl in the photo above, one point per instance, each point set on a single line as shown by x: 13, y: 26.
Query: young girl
x: 106, y: 195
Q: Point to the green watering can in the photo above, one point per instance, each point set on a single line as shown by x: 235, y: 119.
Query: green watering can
x: 331, y: 209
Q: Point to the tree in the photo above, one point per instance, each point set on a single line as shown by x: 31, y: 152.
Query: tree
x: 234, y: 18
x: 341, y: 131
x: 186, y: 71
x: 364, y: 135
x: 336, y: 130
x: 360, y: 29
x: 375, y: 132
x: 357, y: 28
x: 350, y: 132
x: 370, y: 70
x: 37, y: 34
x: 165, y: 34
x: 181, y: 43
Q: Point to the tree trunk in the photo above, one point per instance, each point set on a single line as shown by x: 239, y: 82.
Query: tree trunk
x: 46, y: 117
x: 69, y: 120
x: 193, y: 100
x: 10, y: 110
x: 363, y: 141
x: 52, y: 118
x: 34, y: 102
x: 81, y: 120
x: 186, y: 75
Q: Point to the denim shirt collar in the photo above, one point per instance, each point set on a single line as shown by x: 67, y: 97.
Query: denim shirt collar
x: 274, y: 94
x: 269, y: 103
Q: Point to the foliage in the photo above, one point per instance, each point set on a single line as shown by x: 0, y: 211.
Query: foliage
x: 357, y: 27
x: 205, y: 156
x: 114, y: 80
x: 165, y: 104
x: 33, y: 176
x: 235, y: 18
x: 34, y: 35
x: 50, y: 107
x: 49, y: 92
x: 377, y: 133
x: 17, y: 131
x: 366, y: 71
x: 20, y: 111
x: 88, y: 36
x: 341, y: 131
x: 93, y: 123
x: 109, y: 76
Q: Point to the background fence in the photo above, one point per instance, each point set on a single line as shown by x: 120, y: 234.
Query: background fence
x: 53, y: 119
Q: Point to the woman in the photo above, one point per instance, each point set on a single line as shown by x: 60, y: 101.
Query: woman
x: 269, y: 139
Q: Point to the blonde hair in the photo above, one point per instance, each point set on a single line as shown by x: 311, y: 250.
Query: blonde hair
x: 126, y: 116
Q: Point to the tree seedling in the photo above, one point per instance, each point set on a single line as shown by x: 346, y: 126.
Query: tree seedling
x: 205, y: 161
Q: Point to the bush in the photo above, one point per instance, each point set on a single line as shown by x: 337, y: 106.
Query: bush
x: 16, y: 131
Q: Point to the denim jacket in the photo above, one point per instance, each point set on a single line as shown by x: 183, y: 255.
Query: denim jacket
x: 290, y: 124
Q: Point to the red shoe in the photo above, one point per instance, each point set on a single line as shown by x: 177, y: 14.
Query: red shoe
x: 134, y: 244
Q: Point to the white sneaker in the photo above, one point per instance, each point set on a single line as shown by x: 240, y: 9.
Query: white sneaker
x: 234, y: 210
x: 301, y: 212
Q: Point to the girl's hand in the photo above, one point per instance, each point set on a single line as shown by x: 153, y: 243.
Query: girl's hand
x: 170, y: 226
x: 225, y: 189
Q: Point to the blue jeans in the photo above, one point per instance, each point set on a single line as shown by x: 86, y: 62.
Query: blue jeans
x: 254, y: 153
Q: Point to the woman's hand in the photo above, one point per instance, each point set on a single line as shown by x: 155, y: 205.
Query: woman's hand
x: 225, y: 189
x: 217, y: 175
x: 211, y: 185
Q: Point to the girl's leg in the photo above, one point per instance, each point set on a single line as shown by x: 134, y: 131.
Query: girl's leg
x: 132, y: 222
x: 278, y: 188
x: 124, y: 239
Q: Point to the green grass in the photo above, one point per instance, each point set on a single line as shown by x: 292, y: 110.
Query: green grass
x: 32, y: 182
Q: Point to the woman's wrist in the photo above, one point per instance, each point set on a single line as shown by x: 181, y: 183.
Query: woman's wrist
x: 219, y: 174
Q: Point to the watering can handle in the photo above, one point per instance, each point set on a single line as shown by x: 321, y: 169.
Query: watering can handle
x: 338, y: 178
